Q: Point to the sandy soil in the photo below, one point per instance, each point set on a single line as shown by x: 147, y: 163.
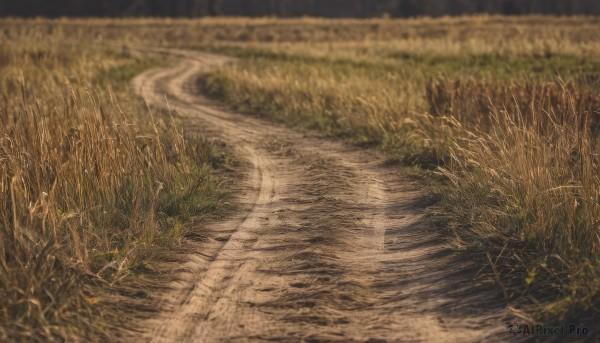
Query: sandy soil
x: 330, y: 244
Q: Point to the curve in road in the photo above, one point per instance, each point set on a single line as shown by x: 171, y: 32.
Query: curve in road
x: 330, y: 244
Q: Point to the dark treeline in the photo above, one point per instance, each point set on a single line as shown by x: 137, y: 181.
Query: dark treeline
x: 292, y: 8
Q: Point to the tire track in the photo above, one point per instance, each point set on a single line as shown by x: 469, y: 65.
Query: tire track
x: 331, y: 245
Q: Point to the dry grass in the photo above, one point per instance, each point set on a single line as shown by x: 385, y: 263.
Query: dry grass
x: 91, y: 186
x: 530, y: 104
x: 524, y: 173
x: 477, y: 97
x: 372, y: 38
x: 341, y: 100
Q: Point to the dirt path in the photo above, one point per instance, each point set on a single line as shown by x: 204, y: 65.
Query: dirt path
x: 330, y: 244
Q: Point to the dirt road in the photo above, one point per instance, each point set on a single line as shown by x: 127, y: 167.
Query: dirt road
x: 330, y: 244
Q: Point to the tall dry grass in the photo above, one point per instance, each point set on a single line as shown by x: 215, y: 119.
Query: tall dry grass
x: 524, y: 170
x: 519, y: 149
x: 91, y: 186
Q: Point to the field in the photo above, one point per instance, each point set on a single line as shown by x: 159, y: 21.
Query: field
x: 94, y: 186
x: 499, y: 116
x: 504, y: 112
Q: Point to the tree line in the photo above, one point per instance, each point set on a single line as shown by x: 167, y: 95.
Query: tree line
x: 292, y: 8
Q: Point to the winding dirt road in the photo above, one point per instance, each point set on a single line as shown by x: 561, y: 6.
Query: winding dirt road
x: 330, y: 244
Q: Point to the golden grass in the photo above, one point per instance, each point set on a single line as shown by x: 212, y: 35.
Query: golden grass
x: 478, y: 98
x: 534, y: 35
x: 341, y: 101
x: 524, y: 184
x: 91, y: 186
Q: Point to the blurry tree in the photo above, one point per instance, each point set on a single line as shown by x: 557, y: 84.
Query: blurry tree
x: 512, y: 7
x: 288, y: 8
x: 410, y: 8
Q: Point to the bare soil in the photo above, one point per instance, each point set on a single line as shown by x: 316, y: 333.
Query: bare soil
x: 330, y: 244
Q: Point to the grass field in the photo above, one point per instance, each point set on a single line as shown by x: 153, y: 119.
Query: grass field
x: 93, y: 187
x: 500, y: 114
